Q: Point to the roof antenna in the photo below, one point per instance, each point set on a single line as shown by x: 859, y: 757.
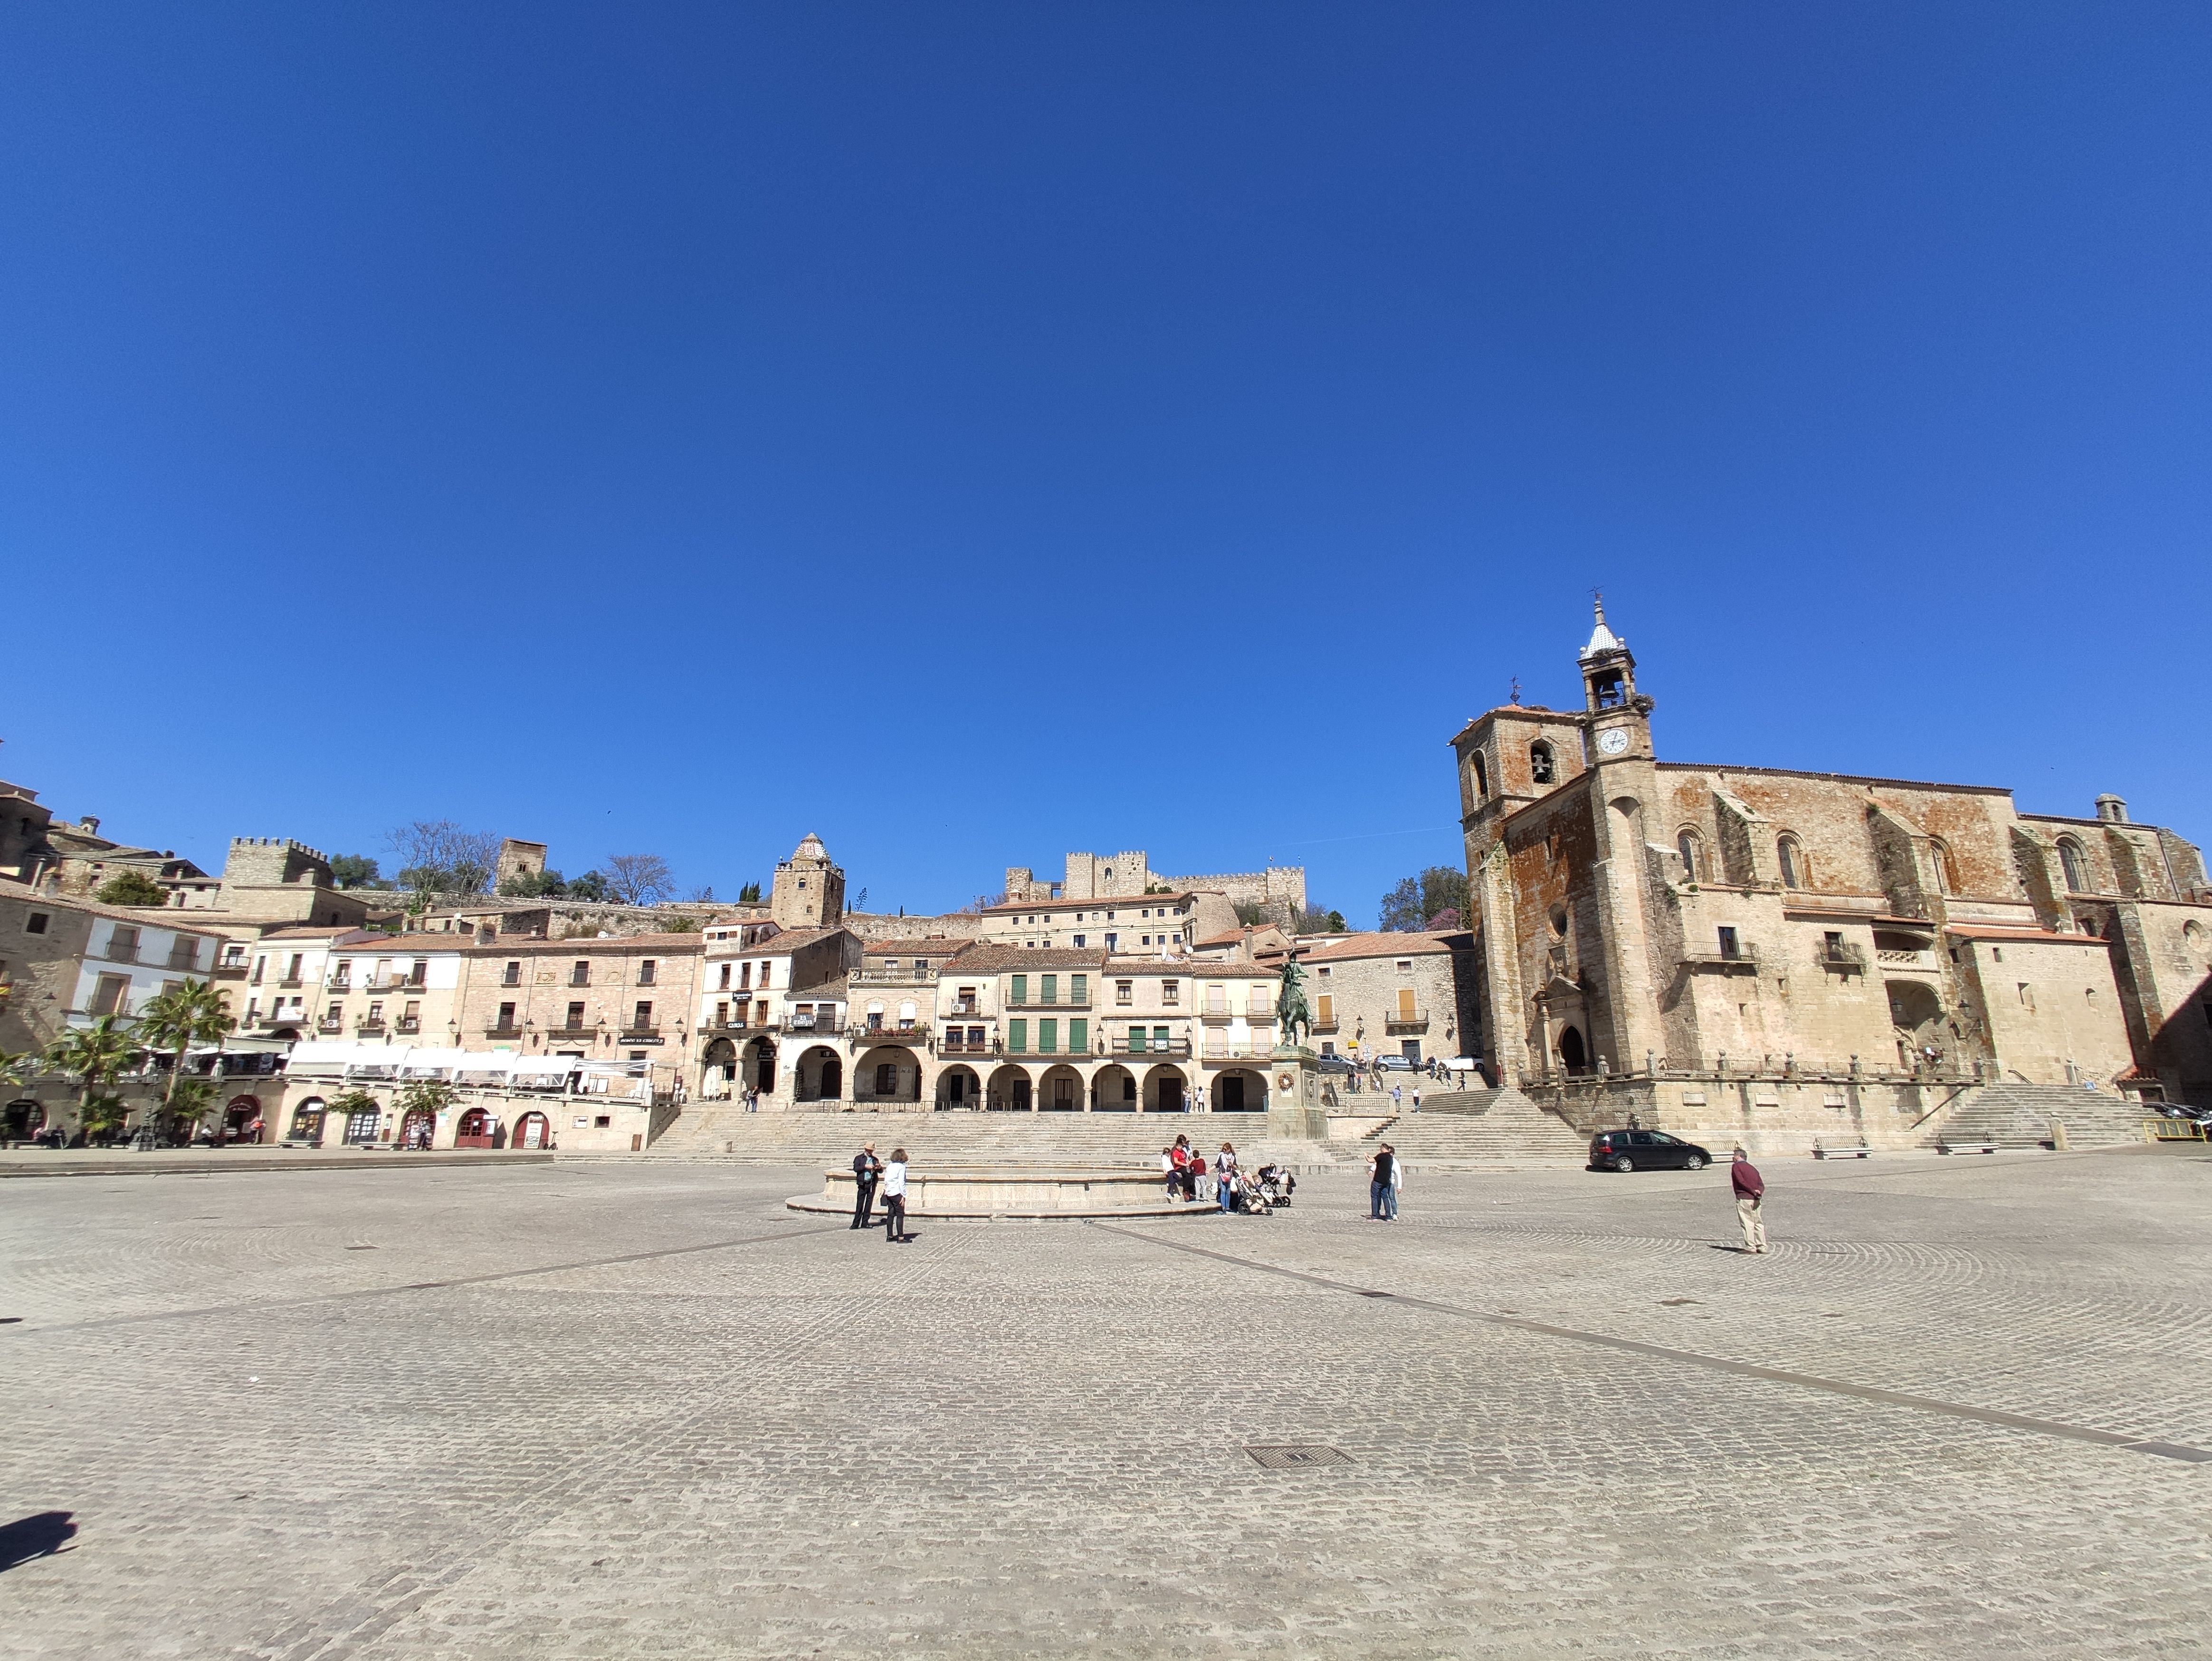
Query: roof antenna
x: 1516, y: 691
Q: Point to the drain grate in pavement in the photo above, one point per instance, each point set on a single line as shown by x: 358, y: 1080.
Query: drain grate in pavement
x: 1298, y: 1456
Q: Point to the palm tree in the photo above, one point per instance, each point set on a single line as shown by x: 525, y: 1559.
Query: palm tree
x: 188, y: 1103
x: 94, y: 1056
x: 178, y: 1016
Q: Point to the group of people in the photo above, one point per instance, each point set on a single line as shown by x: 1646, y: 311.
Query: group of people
x: 1386, y: 1181
x: 1183, y: 1169
x: 868, y: 1173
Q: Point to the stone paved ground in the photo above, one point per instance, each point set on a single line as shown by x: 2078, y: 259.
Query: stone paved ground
x: 640, y: 1410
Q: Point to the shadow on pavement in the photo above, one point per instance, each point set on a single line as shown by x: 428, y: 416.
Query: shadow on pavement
x: 39, y: 1535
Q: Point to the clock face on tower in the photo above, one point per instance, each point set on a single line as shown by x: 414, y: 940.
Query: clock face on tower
x: 1613, y: 740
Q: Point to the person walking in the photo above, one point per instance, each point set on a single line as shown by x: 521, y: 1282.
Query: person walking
x: 1397, y: 1097
x: 866, y: 1169
x: 895, y: 1199
x: 1169, y: 1174
x: 1750, y: 1191
x: 1224, y: 1176
x: 1382, y: 1175
x: 1417, y: 1099
x: 1397, y: 1186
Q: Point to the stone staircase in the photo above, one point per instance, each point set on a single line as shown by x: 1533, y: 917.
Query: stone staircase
x: 2020, y: 1116
x: 714, y: 1131
x: 1472, y: 1128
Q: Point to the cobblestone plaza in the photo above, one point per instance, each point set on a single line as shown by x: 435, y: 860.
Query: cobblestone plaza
x: 621, y: 1410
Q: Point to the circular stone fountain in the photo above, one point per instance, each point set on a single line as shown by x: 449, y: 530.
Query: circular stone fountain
x: 1011, y: 1191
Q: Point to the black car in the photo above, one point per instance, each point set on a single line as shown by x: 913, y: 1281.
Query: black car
x: 1645, y: 1150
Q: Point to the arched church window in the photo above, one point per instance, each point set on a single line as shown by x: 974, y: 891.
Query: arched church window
x: 2075, y: 865
x: 1541, y: 768
x: 1482, y: 778
x: 1690, y: 847
x: 1947, y: 868
x: 1792, y: 855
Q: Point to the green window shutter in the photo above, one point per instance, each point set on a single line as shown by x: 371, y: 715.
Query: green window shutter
x: 1078, y: 1038
x: 1136, y: 1041
x: 1078, y: 988
x: 1021, y: 988
x: 1018, y: 1037
x: 1047, y: 1036
x: 1049, y: 988
x: 1159, y: 1037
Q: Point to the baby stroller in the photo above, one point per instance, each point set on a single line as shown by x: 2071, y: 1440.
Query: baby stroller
x: 1249, y: 1198
x: 1276, y: 1185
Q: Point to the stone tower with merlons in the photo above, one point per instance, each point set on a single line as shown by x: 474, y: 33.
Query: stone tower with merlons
x: 808, y: 892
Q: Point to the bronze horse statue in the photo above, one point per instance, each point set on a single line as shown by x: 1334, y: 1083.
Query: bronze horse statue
x: 1291, y: 1010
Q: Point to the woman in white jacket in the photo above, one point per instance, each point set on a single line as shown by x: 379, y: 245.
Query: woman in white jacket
x: 895, y: 1199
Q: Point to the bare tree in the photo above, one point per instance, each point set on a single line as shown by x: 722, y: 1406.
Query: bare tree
x: 980, y: 903
x: 437, y: 856
x: 639, y: 879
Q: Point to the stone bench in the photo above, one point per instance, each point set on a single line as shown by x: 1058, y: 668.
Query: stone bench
x: 1858, y: 1150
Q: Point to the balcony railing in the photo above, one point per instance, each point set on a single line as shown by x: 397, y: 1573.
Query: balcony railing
x: 1842, y: 955
x: 281, y: 1017
x: 915, y: 1034
x: 185, y: 962
x: 369, y: 1024
x: 331, y: 1023
x: 408, y: 1024
x: 1123, y: 1046
x: 577, y: 1030
x: 391, y: 983
x: 338, y: 988
x: 962, y: 1047
x: 633, y: 1033
x: 502, y: 1032
x: 964, y: 1007
x: 1405, y: 1020
x: 1033, y: 1001
x: 120, y: 953
x: 287, y: 982
x: 228, y: 971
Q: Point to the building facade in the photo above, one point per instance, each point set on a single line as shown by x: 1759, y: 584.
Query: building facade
x: 1642, y: 919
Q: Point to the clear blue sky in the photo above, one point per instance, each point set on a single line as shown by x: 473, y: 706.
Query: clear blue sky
x: 974, y: 432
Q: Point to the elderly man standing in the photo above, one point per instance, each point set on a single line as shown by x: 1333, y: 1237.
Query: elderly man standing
x: 1750, y: 1190
x: 866, y: 1167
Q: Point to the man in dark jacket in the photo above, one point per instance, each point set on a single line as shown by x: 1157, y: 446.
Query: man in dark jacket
x: 1743, y: 1177
x: 866, y: 1167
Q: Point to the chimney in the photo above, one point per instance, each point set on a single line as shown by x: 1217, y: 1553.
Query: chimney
x: 2111, y: 809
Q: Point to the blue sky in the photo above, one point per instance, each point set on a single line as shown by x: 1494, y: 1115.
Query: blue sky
x: 972, y: 433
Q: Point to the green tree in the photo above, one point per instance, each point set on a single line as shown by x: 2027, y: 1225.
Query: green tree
x: 1418, y: 899
x: 16, y: 1067
x: 181, y: 1015
x: 101, y: 1112
x: 534, y: 886
x: 749, y: 894
x: 131, y: 887
x: 1320, y: 923
x: 356, y: 870
x: 589, y: 886
x: 94, y: 1055
x: 189, y: 1101
x: 347, y: 1103
x: 427, y: 1096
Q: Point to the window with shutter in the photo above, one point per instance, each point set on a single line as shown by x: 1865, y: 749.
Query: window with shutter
x: 1078, y: 1038
x: 1078, y: 988
x: 1326, y: 1012
x: 1018, y: 1037
x: 1048, y: 989
x: 1021, y: 992
x: 1405, y: 1003
x: 1136, y: 1041
x: 1047, y: 1036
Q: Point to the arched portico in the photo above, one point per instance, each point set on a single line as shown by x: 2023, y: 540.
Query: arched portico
x: 532, y: 1131
x: 1010, y: 1091
x: 718, y: 1074
x: 1061, y: 1090
x: 1166, y: 1090
x: 1114, y: 1089
x: 1239, y: 1090
x: 307, y: 1123
x: 758, y: 1068
x: 25, y: 1119
x: 958, y: 1086
x: 887, y: 1073
x: 820, y: 1076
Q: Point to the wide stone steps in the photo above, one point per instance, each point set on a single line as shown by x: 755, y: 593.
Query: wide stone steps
x: 725, y: 1135
x: 2020, y: 1116
x: 1477, y: 1127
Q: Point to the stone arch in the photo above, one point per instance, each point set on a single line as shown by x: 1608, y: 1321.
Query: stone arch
x: 1690, y: 844
x: 1166, y: 1090
x: 1574, y: 1054
x: 1114, y: 1089
x: 533, y: 1131
x: 757, y: 1067
x: 1010, y: 1090
x: 1480, y: 771
x: 819, y: 1077
x: 958, y: 1086
x: 1789, y: 857
x: 1917, y: 1016
x: 887, y: 1065
x: 2073, y: 861
x: 1947, y: 866
x: 25, y: 1117
x: 1239, y: 1090
x: 1543, y: 765
x: 307, y: 1119
x: 1060, y: 1090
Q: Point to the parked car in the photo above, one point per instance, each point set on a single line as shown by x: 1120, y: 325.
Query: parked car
x: 1335, y: 1064
x: 1645, y: 1150
x: 1394, y: 1064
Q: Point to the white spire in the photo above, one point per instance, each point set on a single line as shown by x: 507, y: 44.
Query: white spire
x: 1601, y: 639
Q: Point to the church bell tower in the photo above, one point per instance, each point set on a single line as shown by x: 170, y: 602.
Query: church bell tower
x: 1617, y: 714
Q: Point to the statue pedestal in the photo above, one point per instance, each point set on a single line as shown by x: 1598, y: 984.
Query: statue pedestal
x: 1294, y: 1094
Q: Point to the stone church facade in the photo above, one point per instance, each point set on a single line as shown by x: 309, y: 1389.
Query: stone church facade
x: 1730, y: 947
